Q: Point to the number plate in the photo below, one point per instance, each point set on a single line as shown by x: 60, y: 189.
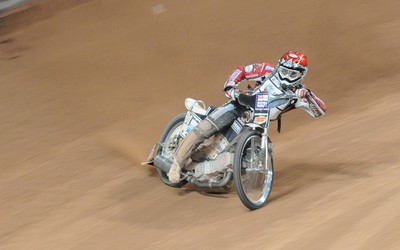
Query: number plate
x: 262, y: 101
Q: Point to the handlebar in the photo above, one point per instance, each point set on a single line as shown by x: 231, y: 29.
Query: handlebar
x: 248, y: 97
x: 285, y: 95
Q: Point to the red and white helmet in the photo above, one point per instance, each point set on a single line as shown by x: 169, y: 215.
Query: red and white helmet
x: 292, y: 68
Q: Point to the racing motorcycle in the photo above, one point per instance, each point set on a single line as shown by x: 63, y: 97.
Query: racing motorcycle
x: 241, y: 153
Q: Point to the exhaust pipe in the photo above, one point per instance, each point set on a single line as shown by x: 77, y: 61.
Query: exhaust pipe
x: 162, y: 163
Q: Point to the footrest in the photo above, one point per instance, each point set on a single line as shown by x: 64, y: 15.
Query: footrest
x: 150, y: 159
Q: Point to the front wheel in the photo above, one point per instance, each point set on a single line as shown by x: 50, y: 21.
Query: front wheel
x: 253, y: 175
x: 169, y: 141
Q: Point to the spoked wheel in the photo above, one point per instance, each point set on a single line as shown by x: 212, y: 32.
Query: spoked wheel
x: 169, y: 141
x: 253, y: 175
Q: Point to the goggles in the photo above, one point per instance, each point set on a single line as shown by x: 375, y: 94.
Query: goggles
x: 289, y: 74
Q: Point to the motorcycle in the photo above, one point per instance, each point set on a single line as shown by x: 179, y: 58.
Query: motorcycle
x: 241, y: 153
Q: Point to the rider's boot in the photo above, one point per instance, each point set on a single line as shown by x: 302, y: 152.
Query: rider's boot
x: 182, y: 155
x: 174, y: 174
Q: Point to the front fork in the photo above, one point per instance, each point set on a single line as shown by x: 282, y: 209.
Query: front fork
x: 264, y: 142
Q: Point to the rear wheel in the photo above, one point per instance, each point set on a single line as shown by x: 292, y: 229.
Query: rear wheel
x: 169, y: 140
x: 253, y: 177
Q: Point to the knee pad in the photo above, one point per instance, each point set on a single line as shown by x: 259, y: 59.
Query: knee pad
x: 205, y: 129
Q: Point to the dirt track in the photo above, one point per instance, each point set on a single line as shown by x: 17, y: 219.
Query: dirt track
x: 85, y: 93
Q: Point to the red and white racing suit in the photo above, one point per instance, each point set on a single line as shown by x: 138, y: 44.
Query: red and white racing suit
x: 226, y: 114
x: 261, y: 73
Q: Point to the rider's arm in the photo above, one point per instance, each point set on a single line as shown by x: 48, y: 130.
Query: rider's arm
x: 310, y: 103
x: 233, y: 81
x: 252, y: 72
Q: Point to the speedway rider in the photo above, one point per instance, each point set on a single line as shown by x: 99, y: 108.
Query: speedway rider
x: 286, y: 77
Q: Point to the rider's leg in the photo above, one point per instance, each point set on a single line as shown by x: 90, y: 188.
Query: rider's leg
x: 204, y: 130
x: 217, y: 120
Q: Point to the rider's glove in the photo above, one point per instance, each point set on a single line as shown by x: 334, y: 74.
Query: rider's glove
x: 302, y: 93
x: 233, y: 94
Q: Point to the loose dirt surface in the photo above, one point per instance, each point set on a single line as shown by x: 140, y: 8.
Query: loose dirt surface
x: 85, y: 92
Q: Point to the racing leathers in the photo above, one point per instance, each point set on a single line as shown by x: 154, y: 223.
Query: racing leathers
x: 266, y: 81
x: 264, y: 75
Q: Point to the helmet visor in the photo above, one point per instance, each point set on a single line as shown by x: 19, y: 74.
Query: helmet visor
x: 289, y: 74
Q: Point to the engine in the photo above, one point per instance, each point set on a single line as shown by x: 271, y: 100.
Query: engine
x: 209, y: 164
